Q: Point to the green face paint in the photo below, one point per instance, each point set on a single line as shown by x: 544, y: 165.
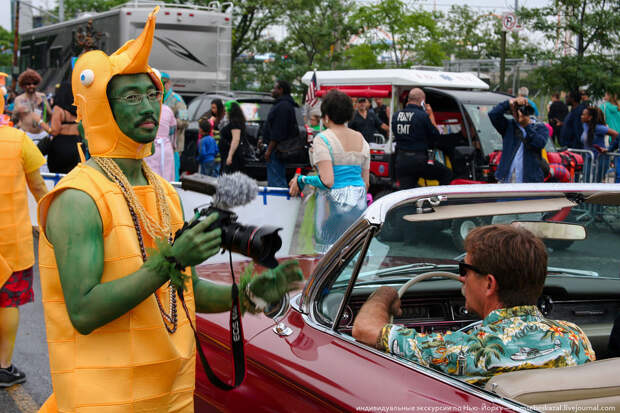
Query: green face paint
x: 140, y: 121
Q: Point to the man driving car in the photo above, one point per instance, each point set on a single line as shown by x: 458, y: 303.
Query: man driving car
x: 503, y: 275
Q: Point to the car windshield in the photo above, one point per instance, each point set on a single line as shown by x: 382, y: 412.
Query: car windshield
x: 490, y: 139
x: 405, y: 247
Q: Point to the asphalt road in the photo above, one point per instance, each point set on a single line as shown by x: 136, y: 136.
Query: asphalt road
x: 30, y: 355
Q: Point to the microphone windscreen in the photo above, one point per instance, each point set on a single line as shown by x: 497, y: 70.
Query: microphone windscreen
x: 234, y: 190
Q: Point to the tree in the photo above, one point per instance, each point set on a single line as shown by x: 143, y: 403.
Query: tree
x: 467, y: 32
x: 6, y: 47
x: 319, y: 31
x: 588, y: 32
x: 594, y: 23
x: 250, y: 19
x: 414, y: 33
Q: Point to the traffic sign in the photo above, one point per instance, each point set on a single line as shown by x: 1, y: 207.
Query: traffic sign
x: 509, y: 21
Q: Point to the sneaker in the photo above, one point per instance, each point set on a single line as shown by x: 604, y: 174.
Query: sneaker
x: 11, y: 376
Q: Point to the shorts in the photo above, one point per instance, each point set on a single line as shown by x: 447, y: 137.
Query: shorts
x: 17, y: 290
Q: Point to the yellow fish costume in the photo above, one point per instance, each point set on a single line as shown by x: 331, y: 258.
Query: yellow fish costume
x: 16, y: 251
x: 131, y: 364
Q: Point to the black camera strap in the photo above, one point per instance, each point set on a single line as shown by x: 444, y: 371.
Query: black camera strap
x: 236, y: 339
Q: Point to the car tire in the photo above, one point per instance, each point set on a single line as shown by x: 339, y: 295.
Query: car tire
x: 459, y: 228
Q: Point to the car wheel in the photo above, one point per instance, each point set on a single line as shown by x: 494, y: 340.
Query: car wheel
x: 459, y: 228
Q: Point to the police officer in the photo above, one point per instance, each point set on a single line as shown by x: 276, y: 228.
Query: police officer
x: 415, y: 133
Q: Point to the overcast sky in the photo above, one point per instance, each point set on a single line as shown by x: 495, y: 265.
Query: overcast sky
x: 497, y: 5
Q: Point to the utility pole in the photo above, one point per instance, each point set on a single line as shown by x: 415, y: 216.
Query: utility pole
x: 61, y: 10
x: 15, y: 45
x: 502, y: 62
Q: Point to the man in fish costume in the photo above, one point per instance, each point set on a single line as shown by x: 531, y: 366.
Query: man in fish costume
x: 118, y: 338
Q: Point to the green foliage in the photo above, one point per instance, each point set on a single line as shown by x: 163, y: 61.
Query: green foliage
x: 598, y: 73
x: 414, y: 33
x: 362, y: 56
x: 595, y: 24
x: 6, y: 47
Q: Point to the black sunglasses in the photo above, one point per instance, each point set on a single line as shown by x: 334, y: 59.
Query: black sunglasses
x: 463, y: 268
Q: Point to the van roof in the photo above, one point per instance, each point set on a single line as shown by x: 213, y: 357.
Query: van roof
x: 397, y: 77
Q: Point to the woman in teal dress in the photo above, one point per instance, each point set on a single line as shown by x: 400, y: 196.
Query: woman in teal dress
x: 341, y: 157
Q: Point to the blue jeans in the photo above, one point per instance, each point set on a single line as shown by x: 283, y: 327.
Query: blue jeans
x: 208, y: 168
x: 276, y: 172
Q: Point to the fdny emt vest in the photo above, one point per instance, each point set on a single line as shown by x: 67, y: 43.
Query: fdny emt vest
x: 131, y: 364
x: 15, y: 226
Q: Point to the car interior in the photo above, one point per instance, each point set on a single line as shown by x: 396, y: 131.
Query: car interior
x: 413, y: 252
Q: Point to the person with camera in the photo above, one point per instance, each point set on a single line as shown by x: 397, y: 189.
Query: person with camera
x: 523, y: 140
x: 416, y: 134
x: 119, y: 290
x: 503, y: 275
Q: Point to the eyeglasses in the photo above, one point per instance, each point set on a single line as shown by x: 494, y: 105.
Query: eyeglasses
x: 31, y: 84
x: 464, y: 267
x: 137, y: 98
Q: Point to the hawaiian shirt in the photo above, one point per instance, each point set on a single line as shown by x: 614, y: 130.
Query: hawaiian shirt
x: 509, y: 339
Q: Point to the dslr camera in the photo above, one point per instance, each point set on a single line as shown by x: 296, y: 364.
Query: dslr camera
x: 258, y: 243
x: 526, y: 110
x: 229, y: 191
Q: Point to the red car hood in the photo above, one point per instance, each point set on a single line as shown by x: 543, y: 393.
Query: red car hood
x: 252, y: 324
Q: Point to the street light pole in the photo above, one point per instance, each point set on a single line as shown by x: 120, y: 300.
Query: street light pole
x: 15, y: 45
x: 502, y: 62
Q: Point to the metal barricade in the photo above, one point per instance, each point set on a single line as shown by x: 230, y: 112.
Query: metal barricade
x: 609, y: 173
x: 586, y: 175
x: 599, y: 169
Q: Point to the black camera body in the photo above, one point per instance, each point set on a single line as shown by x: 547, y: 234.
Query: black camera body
x: 258, y: 243
x: 526, y: 110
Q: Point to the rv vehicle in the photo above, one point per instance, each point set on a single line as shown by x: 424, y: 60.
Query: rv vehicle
x: 192, y: 43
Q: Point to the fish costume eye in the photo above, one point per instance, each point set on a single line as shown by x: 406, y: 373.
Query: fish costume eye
x: 87, y: 77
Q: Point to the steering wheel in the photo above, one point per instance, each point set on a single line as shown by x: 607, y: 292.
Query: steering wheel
x: 422, y: 277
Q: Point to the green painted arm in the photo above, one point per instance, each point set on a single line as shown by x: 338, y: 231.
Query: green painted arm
x: 75, y: 230
x: 210, y: 297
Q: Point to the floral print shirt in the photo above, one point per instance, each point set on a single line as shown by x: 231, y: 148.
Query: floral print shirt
x: 509, y: 339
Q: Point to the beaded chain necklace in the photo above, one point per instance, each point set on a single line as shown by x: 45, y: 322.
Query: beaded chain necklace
x: 152, y: 227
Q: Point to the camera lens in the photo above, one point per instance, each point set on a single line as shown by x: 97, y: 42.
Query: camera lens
x: 258, y: 243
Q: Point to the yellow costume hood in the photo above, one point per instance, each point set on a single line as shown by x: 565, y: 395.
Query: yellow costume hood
x: 91, y: 74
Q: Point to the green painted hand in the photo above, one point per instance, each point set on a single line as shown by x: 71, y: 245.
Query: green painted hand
x: 197, y: 244
x: 272, y: 285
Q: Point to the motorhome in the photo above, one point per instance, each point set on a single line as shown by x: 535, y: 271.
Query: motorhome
x: 192, y: 43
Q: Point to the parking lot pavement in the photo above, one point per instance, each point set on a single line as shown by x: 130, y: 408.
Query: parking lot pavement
x: 30, y: 355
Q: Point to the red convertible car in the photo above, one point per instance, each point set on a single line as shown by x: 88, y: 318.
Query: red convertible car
x: 304, y: 359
